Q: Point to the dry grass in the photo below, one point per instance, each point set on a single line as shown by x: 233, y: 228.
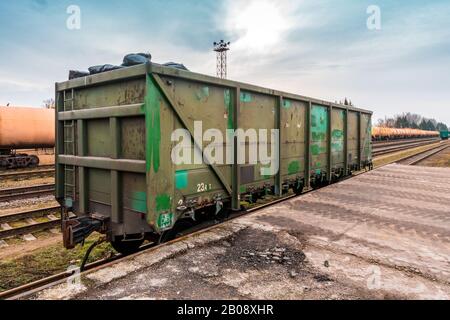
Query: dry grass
x: 394, y: 157
x: 46, y: 262
x: 441, y: 159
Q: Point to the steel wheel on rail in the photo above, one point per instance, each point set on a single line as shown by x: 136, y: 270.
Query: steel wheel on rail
x: 128, y: 246
x: 177, y: 231
x: 34, y: 162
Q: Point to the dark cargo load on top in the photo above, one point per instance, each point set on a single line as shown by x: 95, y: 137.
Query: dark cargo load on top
x: 130, y: 60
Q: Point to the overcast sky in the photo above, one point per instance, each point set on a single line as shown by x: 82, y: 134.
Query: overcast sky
x: 318, y: 48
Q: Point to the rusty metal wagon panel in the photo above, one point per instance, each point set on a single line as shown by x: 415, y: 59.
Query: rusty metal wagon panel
x: 115, y: 147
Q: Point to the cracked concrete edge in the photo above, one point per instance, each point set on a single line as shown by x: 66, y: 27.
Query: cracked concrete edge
x: 380, y: 279
x: 346, y: 268
x: 391, y: 263
x: 140, y: 261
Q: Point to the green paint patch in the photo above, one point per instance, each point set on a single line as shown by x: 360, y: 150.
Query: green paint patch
x: 266, y: 173
x: 243, y: 189
x: 163, y: 203
x: 287, y: 104
x: 153, y: 101
x: 337, y: 134
x: 294, y: 167
x: 181, y: 179
x: 316, y: 165
x: 203, y: 93
x: 139, y: 202
x: 319, y: 120
x: 246, y: 97
x: 337, y: 141
x: 229, y: 108
x: 318, y: 136
x: 315, y: 150
x: 165, y: 221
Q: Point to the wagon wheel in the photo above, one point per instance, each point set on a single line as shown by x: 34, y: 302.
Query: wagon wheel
x: 34, y: 161
x: 126, y: 247
x: 176, y: 231
x: 298, y: 189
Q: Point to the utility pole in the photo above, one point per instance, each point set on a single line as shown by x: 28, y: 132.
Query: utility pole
x: 221, y: 48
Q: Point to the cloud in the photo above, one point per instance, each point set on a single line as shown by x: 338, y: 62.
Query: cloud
x: 324, y: 49
x: 21, y: 85
x: 316, y: 48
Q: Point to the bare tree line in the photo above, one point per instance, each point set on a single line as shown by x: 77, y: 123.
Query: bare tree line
x: 413, y: 121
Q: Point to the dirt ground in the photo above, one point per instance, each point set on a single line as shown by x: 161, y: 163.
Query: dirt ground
x: 6, y: 184
x: 25, y: 262
x: 442, y: 159
x: 18, y: 249
x: 393, y: 157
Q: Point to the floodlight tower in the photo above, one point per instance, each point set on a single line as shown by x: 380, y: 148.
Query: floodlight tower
x: 222, y: 48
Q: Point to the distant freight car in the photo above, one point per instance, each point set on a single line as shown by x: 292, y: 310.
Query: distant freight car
x: 24, y: 128
x: 444, y: 135
x: 115, y: 150
x: 381, y: 133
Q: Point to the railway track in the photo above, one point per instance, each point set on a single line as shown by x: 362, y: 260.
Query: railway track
x: 384, y: 148
x: 26, y: 192
x: 31, y: 288
x: 417, y: 158
x: 401, y: 141
x: 42, y: 171
x: 30, y: 226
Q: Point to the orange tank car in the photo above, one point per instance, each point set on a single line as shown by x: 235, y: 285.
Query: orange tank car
x: 22, y: 128
x: 382, y: 133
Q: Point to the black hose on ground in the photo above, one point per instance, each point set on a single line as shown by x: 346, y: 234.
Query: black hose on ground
x: 88, y: 252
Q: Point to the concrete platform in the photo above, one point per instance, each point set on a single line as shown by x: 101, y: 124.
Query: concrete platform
x: 381, y: 235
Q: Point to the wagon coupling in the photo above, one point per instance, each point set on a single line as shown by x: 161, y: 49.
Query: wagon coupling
x: 76, y: 230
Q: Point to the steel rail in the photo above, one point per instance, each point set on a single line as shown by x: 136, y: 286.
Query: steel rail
x: 12, y: 171
x: 4, y: 234
x: 32, y: 288
x: 392, y: 149
x: 27, y: 174
x: 35, y: 213
x: 415, y: 159
x: 377, y: 143
x: 26, y: 192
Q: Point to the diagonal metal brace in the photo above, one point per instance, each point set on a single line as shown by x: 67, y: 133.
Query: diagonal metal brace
x: 183, y: 119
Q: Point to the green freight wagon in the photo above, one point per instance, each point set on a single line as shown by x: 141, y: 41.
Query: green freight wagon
x: 115, y: 172
x: 444, y: 135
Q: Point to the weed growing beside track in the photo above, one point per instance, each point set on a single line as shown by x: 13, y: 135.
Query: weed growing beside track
x: 46, y: 262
